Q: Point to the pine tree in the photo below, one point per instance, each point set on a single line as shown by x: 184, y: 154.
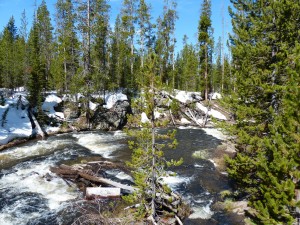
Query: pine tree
x: 187, y: 67
x: 165, y: 46
x: 266, y: 66
x: 205, y: 40
x: 9, y: 51
x: 25, y: 54
x: 129, y: 18
x: 120, y: 52
x: 66, y: 60
x: 35, y: 82
x: 43, y: 23
x: 148, y: 161
x: 100, y: 53
x: 145, y: 29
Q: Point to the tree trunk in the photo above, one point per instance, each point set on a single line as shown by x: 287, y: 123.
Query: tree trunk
x: 206, y: 74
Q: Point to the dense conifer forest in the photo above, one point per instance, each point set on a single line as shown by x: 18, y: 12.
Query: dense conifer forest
x: 78, y: 51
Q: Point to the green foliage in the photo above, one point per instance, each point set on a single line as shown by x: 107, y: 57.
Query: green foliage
x: 266, y: 60
x: 148, y: 162
x: 165, y: 43
x: 66, y: 61
x: 206, y: 45
x: 187, y: 64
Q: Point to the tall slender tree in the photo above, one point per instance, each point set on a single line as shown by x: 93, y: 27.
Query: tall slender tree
x: 187, y: 67
x: 23, y: 35
x: 66, y: 48
x: 44, y: 26
x: 145, y: 29
x: 148, y: 162
x: 129, y: 18
x: 100, y: 36
x: 165, y: 46
x: 35, y: 82
x: 205, y: 41
x: 9, y: 46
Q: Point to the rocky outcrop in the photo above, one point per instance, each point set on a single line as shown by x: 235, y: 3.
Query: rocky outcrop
x: 113, y: 118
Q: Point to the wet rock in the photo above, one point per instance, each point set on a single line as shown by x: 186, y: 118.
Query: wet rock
x: 48, y: 177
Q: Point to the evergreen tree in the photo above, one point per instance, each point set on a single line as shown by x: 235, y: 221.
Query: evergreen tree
x: 217, y: 73
x: 35, y: 82
x: 1, y: 59
x: 266, y: 61
x: 187, y: 67
x: 145, y: 29
x: 24, y: 50
x: 100, y: 48
x: 119, y: 66
x: 43, y: 23
x: 129, y: 18
x: 9, y: 50
x: 66, y: 47
x: 148, y: 162
x: 165, y: 46
x: 205, y: 40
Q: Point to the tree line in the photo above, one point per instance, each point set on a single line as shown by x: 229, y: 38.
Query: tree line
x: 260, y: 79
x: 83, y: 53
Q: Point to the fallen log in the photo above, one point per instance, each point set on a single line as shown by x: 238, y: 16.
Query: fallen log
x: 101, y: 192
x: 60, y: 171
x: 106, y: 181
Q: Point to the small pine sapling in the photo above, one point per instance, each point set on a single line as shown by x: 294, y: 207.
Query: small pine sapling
x: 148, y: 163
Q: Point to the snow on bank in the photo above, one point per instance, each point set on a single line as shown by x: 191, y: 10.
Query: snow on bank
x: 185, y: 96
x: 216, y: 96
x: 16, y: 124
x: 212, y: 112
x: 48, y: 106
x: 112, y: 98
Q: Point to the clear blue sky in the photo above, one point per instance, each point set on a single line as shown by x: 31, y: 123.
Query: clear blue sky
x: 188, y: 11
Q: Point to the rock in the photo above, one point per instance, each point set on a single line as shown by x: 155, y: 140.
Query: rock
x: 113, y: 118
x: 71, y: 114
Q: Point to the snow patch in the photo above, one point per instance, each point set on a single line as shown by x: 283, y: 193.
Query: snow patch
x: 185, y: 96
x: 17, y: 124
x: 144, y: 118
x: 112, y: 98
x: 184, y: 121
x: 212, y: 112
x: 92, y: 106
x: 216, y: 96
x: 48, y: 106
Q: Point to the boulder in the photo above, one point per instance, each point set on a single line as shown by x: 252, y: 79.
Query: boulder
x: 113, y: 118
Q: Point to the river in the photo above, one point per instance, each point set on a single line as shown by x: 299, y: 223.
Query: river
x: 26, y: 197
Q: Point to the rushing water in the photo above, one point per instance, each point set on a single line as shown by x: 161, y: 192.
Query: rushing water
x: 27, y: 197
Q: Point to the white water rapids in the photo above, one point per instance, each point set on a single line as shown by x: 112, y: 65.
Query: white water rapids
x: 27, y: 197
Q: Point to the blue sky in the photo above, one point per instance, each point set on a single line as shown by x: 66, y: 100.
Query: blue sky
x: 188, y: 11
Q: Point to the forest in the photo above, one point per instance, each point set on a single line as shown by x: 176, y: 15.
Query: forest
x: 259, y: 78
